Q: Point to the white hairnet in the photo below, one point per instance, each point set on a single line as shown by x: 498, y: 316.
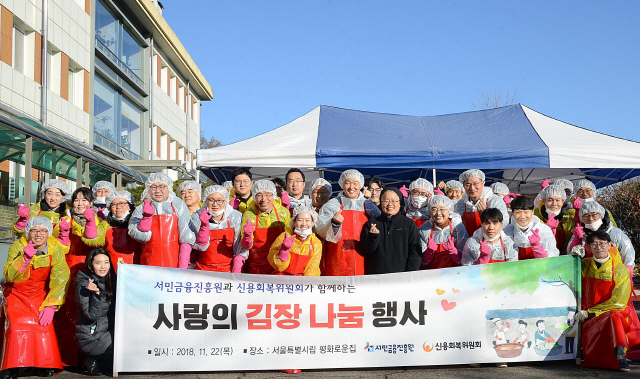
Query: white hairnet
x: 303, y: 208
x: 553, y: 190
x: 59, y: 184
x: 144, y: 194
x: 422, y: 184
x: 442, y: 201
x: 159, y: 177
x: 455, y: 184
x: 564, y: 183
x: 263, y: 185
x: 38, y: 221
x: 228, y: 184
x: 103, y: 184
x: 591, y: 207
x: 473, y: 173
x: 320, y: 182
x: 351, y: 174
x: 190, y: 184
x: 216, y: 189
x: 500, y: 189
x: 118, y: 194
x: 584, y: 183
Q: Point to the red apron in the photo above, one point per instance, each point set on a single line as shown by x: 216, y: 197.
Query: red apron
x: 471, y: 220
x: 219, y: 254
x: 65, y: 320
x: 258, y: 262
x: 524, y: 253
x: 345, y: 258
x: 163, y: 248
x: 503, y: 250
x: 560, y: 237
x: 297, y: 263
x: 418, y: 221
x: 26, y: 342
x: 121, y: 247
x: 441, y: 259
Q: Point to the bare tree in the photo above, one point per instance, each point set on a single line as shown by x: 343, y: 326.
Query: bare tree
x: 208, y: 143
x: 496, y: 99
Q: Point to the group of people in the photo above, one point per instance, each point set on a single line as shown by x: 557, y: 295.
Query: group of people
x: 63, y: 266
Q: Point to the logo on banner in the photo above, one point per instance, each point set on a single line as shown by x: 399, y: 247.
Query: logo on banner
x: 426, y: 347
x: 369, y: 348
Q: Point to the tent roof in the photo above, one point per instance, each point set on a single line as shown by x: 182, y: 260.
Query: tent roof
x: 500, y: 141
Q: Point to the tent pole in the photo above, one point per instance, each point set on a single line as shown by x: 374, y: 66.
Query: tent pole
x: 435, y: 185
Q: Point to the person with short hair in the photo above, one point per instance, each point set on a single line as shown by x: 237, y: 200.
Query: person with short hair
x: 555, y: 216
x: 476, y: 199
x: 319, y: 192
x: 295, y: 183
x: 454, y: 190
x: 190, y: 192
x: 100, y: 192
x: 585, y: 192
x: 532, y: 238
x: 240, y: 195
x: 372, y: 189
x: 55, y: 193
x: 442, y: 237
x: 122, y: 248
x: 567, y: 186
x: 417, y: 208
x: 489, y: 243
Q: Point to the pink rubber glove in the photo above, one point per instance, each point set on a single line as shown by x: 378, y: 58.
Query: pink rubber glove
x: 23, y: 216
x: 577, y: 241
x: 438, y: 192
x: 235, y: 202
x: 236, y: 266
x: 538, y: 250
x: 203, y: 233
x: 630, y: 273
x: 428, y: 255
x: 553, y: 223
x: 65, y: 229
x: 46, y: 315
x: 90, y: 229
x: 247, y: 239
x: 577, y: 204
x: 485, y: 253
x: 507, y: 199
x: 285, y: 248
x: 29, y: 252
x: 578, y: 232
x: 147, y: 212
x: 450, y: 247
x: 184, y: 256
x: 405, y: 191
x: 285, y: 199
x: 545, y: 184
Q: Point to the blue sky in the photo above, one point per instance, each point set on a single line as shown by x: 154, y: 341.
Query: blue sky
x: 270, y: 62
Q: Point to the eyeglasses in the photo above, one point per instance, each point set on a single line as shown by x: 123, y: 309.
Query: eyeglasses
x: 259, y: 196
x: 216, y: 202
x: 161, y: 187
x: 375, y: 190
x: 118, y: 205
x: 385, y: 202
x: 416, y: 193
x: 592, y: 215
x: 38, y: 231
x: 441, y: 211
x: 244, y: 181
x: 601, y: 245
x: 475, y: 184
x: 291, y: 181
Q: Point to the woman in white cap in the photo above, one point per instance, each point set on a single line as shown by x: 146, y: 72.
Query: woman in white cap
x: 551, y: 212
x: 340, y: 224
x: 443, y: 236
x: 101, y: 190
x: 298, y: 253
x: 218, y: 225
x: 417, y: 209
x: 585, y: 192
x: 454, y: 190
x: 476, y: 199
x: 264, y: 220
x: 320, y: 193
x: 119, y: 244
x: 567, y: 185
x: 190, y: 192
x: 163, y: 225
x: 55, y: 193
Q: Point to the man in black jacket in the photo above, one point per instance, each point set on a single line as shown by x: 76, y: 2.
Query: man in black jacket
x: 391, y: 240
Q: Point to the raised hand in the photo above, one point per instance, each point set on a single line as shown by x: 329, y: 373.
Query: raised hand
x: 534, y: 238
x: 338, y: 218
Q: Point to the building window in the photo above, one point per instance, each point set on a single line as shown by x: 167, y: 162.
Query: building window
x: 131, y: 53
x: 107, y: 28
x: 130, y: 120
x: 18, y: 49
x: 104, y: 113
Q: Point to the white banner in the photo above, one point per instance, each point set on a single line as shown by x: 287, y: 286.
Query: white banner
x: 186, y: 320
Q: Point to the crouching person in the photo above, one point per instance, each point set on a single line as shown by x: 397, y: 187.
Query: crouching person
x: 489, y: 244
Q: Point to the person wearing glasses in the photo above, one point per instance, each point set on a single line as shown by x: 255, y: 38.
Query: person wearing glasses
x: 295, y: 183
x: 162, y: 224
x: 36, y: 281
x: 391, y: 241
x: 240, y: 194
x: 476, y: 199
x: 320, y: 193
x: 585, y: 192
x: 262, y: 223
x: 340, y: 224
x: 218, y: 225
x: 121, y: 246
x: 372, y: 189
x: 606, y: 307
x: 442, y: 237
x: 417, y: 208
x: 55, y: 193
x: 592, y: 216
x: 100, y: 192
x: 454, y: 190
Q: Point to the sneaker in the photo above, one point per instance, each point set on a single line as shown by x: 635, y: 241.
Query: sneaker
x: 624, y: 365
x: 501, y: 365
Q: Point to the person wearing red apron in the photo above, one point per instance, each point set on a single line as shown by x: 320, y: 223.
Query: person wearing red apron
x: 443, y: 237
x: 53, y: 206
x: 608, y: 328
x: 489, y: 244
x: 218, y: 225
x: 297, y: 254
x: 121, y: 246
x: 162, y: 224
x: 340, y: 224
x: 417, y: 209
x: 262, y: 223
x: 476, y: 199
x: 532, y: 238
x: 37, y: 278
x: 551, y: 212
x: 87, y: 233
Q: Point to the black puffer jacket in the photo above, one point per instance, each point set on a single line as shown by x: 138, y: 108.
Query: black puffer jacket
x: 95, y: 312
